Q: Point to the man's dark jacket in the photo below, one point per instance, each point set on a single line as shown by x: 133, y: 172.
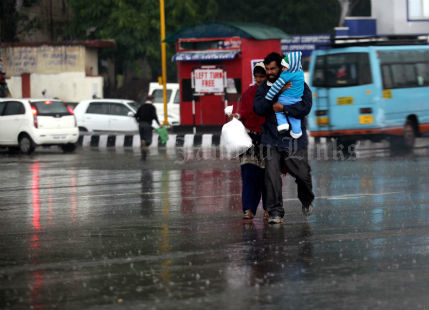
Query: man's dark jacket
x: 146, y: 113
x: 270, y: 135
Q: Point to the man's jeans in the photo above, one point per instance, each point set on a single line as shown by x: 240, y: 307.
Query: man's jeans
x: 297, y: 165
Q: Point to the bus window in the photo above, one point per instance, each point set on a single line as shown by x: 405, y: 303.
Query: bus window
x: 343, y: 69
x: 387, y: 77
x: 402, y: 69
x: 398, y: 76
x: 403, y: 75
x: 410, y: 75
x: 422, y: 74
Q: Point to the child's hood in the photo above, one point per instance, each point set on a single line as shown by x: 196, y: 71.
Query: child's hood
x: 292, y: 61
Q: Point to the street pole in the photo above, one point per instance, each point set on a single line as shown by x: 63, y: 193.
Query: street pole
x: 164, y: 61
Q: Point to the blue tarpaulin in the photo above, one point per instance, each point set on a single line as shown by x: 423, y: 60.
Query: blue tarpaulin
x: 205, y: 55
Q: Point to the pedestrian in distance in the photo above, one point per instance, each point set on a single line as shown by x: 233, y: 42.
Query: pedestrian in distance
x: 4, y: 90
x: 145, y: 114
x: 282, y: 151
x: 251, y: 162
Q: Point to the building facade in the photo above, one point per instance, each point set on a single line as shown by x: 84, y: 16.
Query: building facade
x: 401, y: 16
x: 68, y: 71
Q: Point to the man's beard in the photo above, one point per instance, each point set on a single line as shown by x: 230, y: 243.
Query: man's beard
x: 272, y: 78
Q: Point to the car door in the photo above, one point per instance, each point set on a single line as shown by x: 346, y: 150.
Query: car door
x: 2, y: 126
x: 97, y: 116
x: 120, y: 119
x: 12, y: 119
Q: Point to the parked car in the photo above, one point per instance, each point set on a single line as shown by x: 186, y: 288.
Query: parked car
x: 173, y: 101
x: 27, y: 123
x: 104, y: 115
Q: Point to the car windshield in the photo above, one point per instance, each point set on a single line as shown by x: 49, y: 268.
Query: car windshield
x: 177, y: 97
x: 133, y: 105
x: 158, y: 95
x: 50, y: 108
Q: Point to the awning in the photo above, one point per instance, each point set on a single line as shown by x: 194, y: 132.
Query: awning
x: 205, y: 55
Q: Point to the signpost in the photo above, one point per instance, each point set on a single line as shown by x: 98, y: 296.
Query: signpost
x: 208, y: 80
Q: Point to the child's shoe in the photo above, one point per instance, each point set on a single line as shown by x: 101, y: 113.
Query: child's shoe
x: 283, y: 128
x: 295, y: 135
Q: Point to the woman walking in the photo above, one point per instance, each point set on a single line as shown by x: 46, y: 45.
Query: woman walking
x: 252, y: 162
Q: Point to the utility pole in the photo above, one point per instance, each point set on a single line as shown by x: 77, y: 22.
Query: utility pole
x: 164, y: 61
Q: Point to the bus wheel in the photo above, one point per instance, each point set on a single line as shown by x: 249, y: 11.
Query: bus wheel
x: 405, y: 143
x: 409, y: 135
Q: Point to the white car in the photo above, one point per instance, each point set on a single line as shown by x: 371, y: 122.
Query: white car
x: 104, y: 115
x: 27, y: 123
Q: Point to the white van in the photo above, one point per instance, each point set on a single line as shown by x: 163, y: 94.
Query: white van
x: 173, y: 101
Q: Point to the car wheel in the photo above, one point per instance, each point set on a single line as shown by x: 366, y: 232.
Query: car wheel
x: 83, y: 129
x: 26, y: 145
x: 69, y: 147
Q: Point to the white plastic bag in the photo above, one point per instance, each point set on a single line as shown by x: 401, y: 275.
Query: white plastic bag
x: 234, y: 139
x: 228, y: 110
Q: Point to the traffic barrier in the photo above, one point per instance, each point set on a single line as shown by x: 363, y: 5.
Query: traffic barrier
x: 103, y: 141
x: 210, y: 140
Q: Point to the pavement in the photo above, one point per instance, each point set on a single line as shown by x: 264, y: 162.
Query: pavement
x: 99, y: 229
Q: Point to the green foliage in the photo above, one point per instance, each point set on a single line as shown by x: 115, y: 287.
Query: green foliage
x: 291, y: 16
x: 14, y: 23
x: 135, y: 25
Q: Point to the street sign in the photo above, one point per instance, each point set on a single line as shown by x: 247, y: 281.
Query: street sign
x: 306, y: 43
x: 209, y: 80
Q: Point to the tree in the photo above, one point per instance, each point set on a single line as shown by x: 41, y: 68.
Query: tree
x: 12, y: 22
x: 135, y: 25
x: 291, y: 16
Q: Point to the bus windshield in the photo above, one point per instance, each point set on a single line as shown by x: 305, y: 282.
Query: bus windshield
x: 342, y: 70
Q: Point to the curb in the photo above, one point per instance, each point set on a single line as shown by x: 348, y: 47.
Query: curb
x: 208, y: 140
x: 133, y: 141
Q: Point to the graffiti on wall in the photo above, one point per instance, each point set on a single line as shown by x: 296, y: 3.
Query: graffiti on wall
x: 43, y: 59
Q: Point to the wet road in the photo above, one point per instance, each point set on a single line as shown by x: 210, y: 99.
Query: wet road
x: 101, y: 230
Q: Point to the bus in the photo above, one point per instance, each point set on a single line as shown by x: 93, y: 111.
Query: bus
x: 370, y: 92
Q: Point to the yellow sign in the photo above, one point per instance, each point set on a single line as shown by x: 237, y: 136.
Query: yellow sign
x: 387, y: 94
x: 344, y: 100
x: 366, y: 119
x: 322, y: 121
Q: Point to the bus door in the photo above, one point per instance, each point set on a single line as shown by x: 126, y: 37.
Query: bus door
x: 344, y: 91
